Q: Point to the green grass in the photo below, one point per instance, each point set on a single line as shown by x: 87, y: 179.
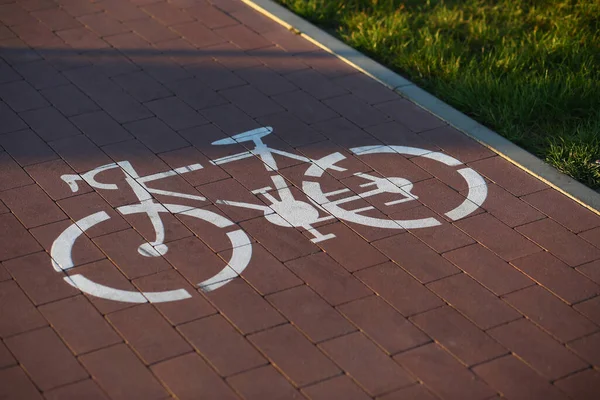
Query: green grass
x: 530, y: 70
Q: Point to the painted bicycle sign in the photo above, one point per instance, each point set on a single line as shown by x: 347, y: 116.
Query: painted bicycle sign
x: 280, y: 207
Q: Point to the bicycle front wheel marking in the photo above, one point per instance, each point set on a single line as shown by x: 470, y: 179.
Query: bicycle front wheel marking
x: 477, y: 190
x: 62, y: 250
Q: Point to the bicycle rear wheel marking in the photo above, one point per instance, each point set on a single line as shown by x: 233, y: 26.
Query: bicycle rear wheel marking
x: 62, y: 250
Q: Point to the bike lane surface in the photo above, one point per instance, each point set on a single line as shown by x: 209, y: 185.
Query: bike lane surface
x: 381, y: 253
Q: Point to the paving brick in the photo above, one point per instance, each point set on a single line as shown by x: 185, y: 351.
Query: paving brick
x: 79, y: 324
x: 263, y: 383
x: 557, y: 277
x: 305, y: 107
x: 14, y: 58
x: 294, y: 44
x: 20, y: 388
x: 121, y: 248
x: 590, y: 308
x: 443, y: 374
x: 415, y: 257
x: 7, y: 74
x: 340, y: 387
x: 20, y: 96
x: 230, y: 119
x: 134, y: 324
x: 295, y: 356
x: 144, y: 161
x: 224, y: 347
x: 244, y: 307
x: 194, y: 307
x: 121, y: 374
x: 328, y: 278
x: 156, y: 135
x: 256, y: 21
x: 195, y: 93
x: 515, y: 380
x: 6, y: 33
x: 17, y: 314
x: 498, y: 237
x: 563, y: 210
x: 367, y: 364
x: 290, y: 129
x: 538, y: 349
x: 508, y: 208
x: 17, y: 241
x: 266, y: 80
x: 123, y: 11
x: 267, y: 274
x: 592, y: 236
x: 84, y: 250
x: 549, y: 312
x: 488, y: 269
x: 77, y: 8
x: 32, y: 206
x: 167, y: 14
x: 69, y: 100
x: 283, y: 242
x: 316, y: 84
x: 81, y: 206
x: 10, y: 121
x: 26, y: 147
x: 37, y: 278
x: 106, y: 274
x: 49, y: 124
x: 414, y: 392
x: 84, y: 39
x: 384, y: 325
x: 210, y: 16
x: 6, y: 358
x: 13, y: 14
x: 242, y: 37
x: 188, y: 156
x: 99, y: 127
x: 56, y: 19
x: 175, y: 113
x: 458, y: 336
x: 583, y: 385
x: 588, y: 348
x: 46, y: 358
x: 277, y: 59
x: 197, y: 34
x: 141, y: 86
x: 508, y: 176
x: 474, y: 301
x: 353, y: 108
x: 35, y: 5
x: 560, y: 242
x: 413, y: 116
x: 151, y: 30
x: 188, y: 377
x: 349, y: 249
x: 398, y: 288
x: 251, y: 101
x: 366, y: 88
x: 86, y: 389
x: 310, y: 313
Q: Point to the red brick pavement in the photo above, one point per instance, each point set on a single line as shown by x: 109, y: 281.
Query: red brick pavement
x: 501, y: 303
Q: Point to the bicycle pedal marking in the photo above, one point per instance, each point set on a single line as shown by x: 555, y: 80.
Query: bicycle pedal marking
x: 281, y: 207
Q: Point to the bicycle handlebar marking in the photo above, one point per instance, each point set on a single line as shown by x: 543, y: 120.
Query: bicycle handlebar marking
x: 282, y: 208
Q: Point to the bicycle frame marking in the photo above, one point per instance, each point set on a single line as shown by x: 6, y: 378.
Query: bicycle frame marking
x: 283, y: 208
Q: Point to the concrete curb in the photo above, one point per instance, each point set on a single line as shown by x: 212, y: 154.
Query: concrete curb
x: 506, y: 149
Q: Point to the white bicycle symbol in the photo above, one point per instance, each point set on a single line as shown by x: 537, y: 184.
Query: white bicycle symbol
x: 284, y: 211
